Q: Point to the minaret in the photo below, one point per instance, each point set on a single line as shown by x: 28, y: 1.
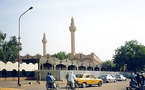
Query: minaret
x: 44, y: 41
x: 72, y: 29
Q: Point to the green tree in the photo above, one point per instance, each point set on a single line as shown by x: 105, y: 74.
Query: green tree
x: 2, y: 38
x: 8, y: 49
x: 108, y: 65
x: 130, y: 56
x: 60, y: 55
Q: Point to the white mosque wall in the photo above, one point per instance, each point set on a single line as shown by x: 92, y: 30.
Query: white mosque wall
x: 9, y: 66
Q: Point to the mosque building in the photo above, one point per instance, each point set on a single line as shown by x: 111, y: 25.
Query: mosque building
x: 76, y: 61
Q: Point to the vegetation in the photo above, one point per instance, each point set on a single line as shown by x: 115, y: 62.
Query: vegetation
x: 60, y: 55
x: 130, y: 57
x: 8, y: 49
x: 108, y: 65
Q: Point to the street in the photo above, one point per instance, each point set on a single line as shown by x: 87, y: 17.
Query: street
x: 119, y: 85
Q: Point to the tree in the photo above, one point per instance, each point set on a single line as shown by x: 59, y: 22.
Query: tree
x: 60, y: 55
x: 8, y: 49
x: 2, y: 38
x: 130, y: 56
x: 108, y: 65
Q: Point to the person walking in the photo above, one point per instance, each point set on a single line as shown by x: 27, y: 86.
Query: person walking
x: 38, y: 78
x: 66, y: 77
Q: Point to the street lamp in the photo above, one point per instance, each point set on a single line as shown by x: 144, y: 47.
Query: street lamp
x: 19, y: 46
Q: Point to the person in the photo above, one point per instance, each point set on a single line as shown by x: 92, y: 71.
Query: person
x: 72, y: 78
x: 138, y: 80
x: 49, y: 81
x: 54, y: 84
x: 66, y: 77
x: 52, y: 76
x: 38, y: 78
x: 133, y: 83
x: 142, y: 78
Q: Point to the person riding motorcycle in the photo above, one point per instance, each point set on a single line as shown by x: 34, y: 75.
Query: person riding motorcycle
x: 72, y: 78
x: 50, y: 81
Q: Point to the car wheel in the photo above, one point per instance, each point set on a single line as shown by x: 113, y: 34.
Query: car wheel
x: 108, y: 81
x: 84, y: 85
x: 100, y: 84
x: 90, y: 85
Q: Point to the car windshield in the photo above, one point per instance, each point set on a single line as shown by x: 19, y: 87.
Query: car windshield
x: 117, y: 75
x: 79, y: 75
x: 103, y: 76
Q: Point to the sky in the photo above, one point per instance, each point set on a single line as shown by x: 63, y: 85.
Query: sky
x: 102, y: 25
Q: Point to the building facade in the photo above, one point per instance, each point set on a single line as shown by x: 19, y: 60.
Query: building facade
x: 75, y: 61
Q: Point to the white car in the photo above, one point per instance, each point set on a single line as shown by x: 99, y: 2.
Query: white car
x: 120, y: 78
x: 107, y: 78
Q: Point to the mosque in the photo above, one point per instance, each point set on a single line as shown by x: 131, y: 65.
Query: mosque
x: 76, y: 61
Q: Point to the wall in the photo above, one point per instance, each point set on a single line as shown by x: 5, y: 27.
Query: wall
x: 60, y: 74
x: 11, y: 66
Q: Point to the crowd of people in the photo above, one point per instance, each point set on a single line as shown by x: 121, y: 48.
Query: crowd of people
x: 137, y: 81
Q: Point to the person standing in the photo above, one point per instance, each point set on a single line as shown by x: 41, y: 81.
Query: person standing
x: 38, y: 78
x: 66, y: 77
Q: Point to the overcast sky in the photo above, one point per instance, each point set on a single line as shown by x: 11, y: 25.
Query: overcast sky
x: 102, y: 25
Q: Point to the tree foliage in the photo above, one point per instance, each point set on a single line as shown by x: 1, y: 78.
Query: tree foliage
x: 60, y: 55
x: 108, y: 65
x: 8, y: 49
x: 130, y: 57
x: 2, y: 38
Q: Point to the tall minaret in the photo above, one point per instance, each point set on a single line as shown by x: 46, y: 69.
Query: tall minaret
x: 72, y: 29
x: 44, y: 41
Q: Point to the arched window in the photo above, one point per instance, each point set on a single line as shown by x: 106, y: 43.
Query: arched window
x: 96, y: 69
x: 82, y: 68
x: 72, y: 67
x: 90, y: 68
x: 4, y: 73
x: 23, y: 73
x: 14, y: 73
x: 48, y: 66
x: 60, y: 67
x: 102, y: 69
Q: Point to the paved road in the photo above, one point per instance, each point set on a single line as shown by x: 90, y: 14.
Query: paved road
x: 119, y: 85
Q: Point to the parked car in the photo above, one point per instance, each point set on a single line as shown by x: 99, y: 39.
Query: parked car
x: 88, y: 79
x: 107, y: 78
x: 120, y: 78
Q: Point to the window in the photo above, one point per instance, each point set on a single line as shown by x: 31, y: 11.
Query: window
x: 87, y: 76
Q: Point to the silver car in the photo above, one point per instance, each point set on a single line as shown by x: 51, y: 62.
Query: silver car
x: 120, y: 78
x: 107, y: 78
